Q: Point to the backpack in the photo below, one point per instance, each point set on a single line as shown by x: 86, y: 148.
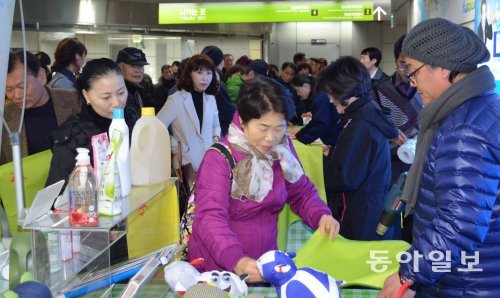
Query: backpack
x: 187, y: 219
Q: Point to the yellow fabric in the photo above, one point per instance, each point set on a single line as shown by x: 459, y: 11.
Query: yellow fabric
x: 311, y: 158
x: 350, y: 260
x: 35, y: 171
x: 155, y: 225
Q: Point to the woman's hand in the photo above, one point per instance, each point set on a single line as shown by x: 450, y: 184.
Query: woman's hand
x: 400, y: 139
x: 326, y: 149
x: 249, y: 266
x: 328, y: 224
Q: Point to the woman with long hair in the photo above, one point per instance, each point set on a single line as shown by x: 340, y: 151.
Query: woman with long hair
x: 192, y: 113
x: 70, y: 57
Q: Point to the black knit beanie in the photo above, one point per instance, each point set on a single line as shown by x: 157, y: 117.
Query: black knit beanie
x: 441, y: 43
x: 214, y: 53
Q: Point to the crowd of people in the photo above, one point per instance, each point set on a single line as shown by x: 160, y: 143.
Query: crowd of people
x: 438, y: 96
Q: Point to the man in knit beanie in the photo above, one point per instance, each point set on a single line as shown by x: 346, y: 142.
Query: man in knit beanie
x: 453, y: 184
x: 215, y: 53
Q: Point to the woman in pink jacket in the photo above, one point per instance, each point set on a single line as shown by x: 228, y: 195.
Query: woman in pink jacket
x: 236, y: 220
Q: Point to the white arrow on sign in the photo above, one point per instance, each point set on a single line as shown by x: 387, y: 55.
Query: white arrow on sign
x: 379, y: 10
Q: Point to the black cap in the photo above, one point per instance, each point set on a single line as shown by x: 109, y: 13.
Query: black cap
x: 132, y: 56
x: 214, y: 53
x: 259, y: 66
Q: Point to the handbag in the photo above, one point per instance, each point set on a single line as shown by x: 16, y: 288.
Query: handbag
x: 187, y: 219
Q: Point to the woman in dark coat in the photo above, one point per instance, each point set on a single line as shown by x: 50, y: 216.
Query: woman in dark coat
x: 358, y: 171
x: 324, y: 122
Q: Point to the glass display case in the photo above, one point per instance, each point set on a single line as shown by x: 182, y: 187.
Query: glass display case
x: 65, y: 255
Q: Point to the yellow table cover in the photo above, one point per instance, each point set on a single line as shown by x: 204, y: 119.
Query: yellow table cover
x: 311, y: 158
x: 35, y: 171
x: 358, y: 263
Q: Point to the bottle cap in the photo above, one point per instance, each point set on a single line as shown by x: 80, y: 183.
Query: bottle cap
x: 118, y: 114
x: 83, y: 157
x: 148, y: 111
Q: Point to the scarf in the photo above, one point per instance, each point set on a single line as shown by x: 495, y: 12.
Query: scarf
x: 253, y: 175
x: 474, y: 84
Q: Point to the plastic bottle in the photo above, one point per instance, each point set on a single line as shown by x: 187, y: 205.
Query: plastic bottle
x: 150, y: 150
x: 123, y: 155
x: 75, y: 242
x: 82, y: 192
x: 109, y: 193
x: 53, y: 247
x: 393, y: 206
x: 66, y: 253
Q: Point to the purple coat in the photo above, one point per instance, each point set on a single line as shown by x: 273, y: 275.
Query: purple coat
x: 226, y: 229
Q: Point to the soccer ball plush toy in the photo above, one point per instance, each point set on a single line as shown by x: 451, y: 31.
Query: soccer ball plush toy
x: 278, y: 268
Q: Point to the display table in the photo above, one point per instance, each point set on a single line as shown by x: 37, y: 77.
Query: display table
x: 157, y: 288
x: 152, y: 217
x: 161, y: 290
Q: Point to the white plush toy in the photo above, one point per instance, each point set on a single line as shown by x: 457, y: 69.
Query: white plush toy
x: 278, y: 268
x: 227, y: 281
x: 180, y: 276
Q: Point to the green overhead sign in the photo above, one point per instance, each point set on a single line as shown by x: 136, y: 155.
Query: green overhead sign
x: 260, y: 12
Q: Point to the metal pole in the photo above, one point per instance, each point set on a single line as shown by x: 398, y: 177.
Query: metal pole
x: 6, y: 17
x: 15, y: 141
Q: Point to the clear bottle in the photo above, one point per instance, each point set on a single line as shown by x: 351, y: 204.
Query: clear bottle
x: 82, y: 192
x: 53, y: 248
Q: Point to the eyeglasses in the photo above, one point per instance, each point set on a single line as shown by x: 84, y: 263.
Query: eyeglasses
x: 411, y: 75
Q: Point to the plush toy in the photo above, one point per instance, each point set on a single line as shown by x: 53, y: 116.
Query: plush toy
x: 181, y: 275
x: 227, y: 281
x: 278, y: 268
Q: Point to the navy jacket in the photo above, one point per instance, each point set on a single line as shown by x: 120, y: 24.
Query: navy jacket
x: 359, y: 169
x: 225, y: 107
x: 458, y: 205
x: 324, y: 123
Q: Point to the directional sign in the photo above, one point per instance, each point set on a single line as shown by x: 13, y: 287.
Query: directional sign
x: 377, y: 11
x: 268, y: 12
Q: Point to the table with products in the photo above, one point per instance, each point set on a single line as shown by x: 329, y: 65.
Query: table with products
x: 157, y: 290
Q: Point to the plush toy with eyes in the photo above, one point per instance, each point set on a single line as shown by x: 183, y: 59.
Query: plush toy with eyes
x: 226, y: 281
x: 181, y: 275
x: 278, y: 268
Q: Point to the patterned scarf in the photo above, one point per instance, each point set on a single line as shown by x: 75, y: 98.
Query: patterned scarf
x: 253, y: 175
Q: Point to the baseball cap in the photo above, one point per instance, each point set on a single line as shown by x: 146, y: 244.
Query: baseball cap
x: 132, y: 56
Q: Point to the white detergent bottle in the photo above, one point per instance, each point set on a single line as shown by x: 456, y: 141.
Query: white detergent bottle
x: 123, y: 155
x: 150, y: 150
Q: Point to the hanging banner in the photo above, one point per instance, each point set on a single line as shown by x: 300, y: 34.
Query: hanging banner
x: 259, y: 12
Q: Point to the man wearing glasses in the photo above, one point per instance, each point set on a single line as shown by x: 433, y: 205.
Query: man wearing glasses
x: 453, y: 184
x: 402, y: 104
